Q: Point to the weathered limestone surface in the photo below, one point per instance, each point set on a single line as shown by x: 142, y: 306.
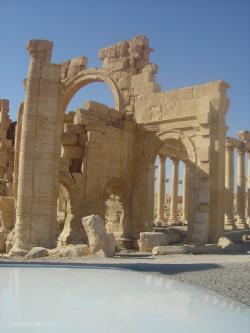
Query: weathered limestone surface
x: 71, y: 250
x: 148, y: 240
x: 98, y: 239
x: 57, y: 167
x: 15, y: 251
x: 37, y: 252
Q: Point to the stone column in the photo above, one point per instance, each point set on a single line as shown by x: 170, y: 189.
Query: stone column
x: 241, y: 189
x: 161, y: 189
x: 229, y: 187
x: 39, y: 151
x: 174, y: 196
x: 185, y: 192
x: 248, y: 190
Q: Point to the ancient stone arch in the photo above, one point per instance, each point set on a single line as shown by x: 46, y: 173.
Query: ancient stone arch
x: 95, y: 144
x: 72, y: 231
x: 75, y: 83
x: 162, y: 137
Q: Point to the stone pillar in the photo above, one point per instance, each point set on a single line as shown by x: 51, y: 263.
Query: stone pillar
x: 161, y: 189
x: 241, y: 189
x: 39, y: 151
x: 174, y: 196
x: 185, y: 194
x: 229, y: 187
x: 248, y: 190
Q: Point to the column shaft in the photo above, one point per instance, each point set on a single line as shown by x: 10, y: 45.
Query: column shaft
x: 248, y: 190
x: 229, y: 188
x: 185, y: 192
x: 174, y: 197
x: 161, y: 189
x: 241, y: 190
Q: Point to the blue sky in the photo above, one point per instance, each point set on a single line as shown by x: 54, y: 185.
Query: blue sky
x: 195, y: 41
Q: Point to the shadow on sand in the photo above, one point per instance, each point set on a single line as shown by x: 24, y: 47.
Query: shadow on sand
x: 168, y: 269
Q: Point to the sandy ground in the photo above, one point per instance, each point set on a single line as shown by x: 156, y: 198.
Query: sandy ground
x: 226, y: 274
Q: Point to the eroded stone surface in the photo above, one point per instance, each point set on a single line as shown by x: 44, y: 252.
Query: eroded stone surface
x: 100, y: 160
x: 149, y: 240
x: 37, y: 252
x: 98, y: 239
x: 71, y: 250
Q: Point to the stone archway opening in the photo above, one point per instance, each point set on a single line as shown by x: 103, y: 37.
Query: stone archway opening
x: 87, y: 98
x: 99, y: 92
x: 72, y: 87
x: 171, y: 184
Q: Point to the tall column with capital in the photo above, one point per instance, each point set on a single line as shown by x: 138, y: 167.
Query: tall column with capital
x: 174, y: 196
x: 39, y: 151
x: 248, y: 189
x: 229, y: 187
x: 161, y: 189
x: 241, y: 189
x: 185, y: 192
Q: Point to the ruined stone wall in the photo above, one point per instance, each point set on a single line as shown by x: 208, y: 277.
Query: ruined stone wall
x: 106, y: 162
x: 105, y: 158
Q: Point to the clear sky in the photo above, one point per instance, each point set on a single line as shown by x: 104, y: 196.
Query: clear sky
x: 195, y: 41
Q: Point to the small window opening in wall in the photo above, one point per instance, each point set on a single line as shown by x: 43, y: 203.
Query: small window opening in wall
x: 76, y: 166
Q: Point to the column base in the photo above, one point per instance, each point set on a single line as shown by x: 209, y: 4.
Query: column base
x: 184, y: 221
x: 241, y: 224
x: 229, y: 225
x: 174, y: 222
x: 160, y: 223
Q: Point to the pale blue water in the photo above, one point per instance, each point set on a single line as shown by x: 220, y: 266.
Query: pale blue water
x: 93, y: 300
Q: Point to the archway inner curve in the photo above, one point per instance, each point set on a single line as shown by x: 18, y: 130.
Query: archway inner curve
x: 73, y: 85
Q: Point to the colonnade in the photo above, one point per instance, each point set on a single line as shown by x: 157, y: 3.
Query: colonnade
x: 173, y: 219
x: 237, y: 214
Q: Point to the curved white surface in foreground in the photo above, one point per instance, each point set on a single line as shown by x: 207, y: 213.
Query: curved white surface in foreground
x: 91, y: 300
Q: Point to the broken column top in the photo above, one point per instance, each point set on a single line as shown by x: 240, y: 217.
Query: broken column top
x: 40, y: 48
x: 134, y: 53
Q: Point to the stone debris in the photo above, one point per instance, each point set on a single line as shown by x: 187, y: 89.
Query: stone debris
x: 17, y: 252
x: 71, y: 250
x: 164, y: 250
x: 37, y: 252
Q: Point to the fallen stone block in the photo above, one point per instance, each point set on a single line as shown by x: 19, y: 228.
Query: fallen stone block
x: 17, y: 252
x: 229, y: 246
x: 204, y: 249
x: 37, y: 252
x: 98, y: 238
x: 173, y: 235
x: 149, y: 240
x: 72, y: 250
x: 164, y: 250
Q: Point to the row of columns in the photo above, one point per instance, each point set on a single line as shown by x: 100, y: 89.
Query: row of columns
x: 174, y: 196
x: 242, y: 221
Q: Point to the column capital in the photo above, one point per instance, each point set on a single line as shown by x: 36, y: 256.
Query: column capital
x: 229, y: 146
x: 40, y: 49
x: 162, y: 157
x: 175, y: 160
x: 241, y: 150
